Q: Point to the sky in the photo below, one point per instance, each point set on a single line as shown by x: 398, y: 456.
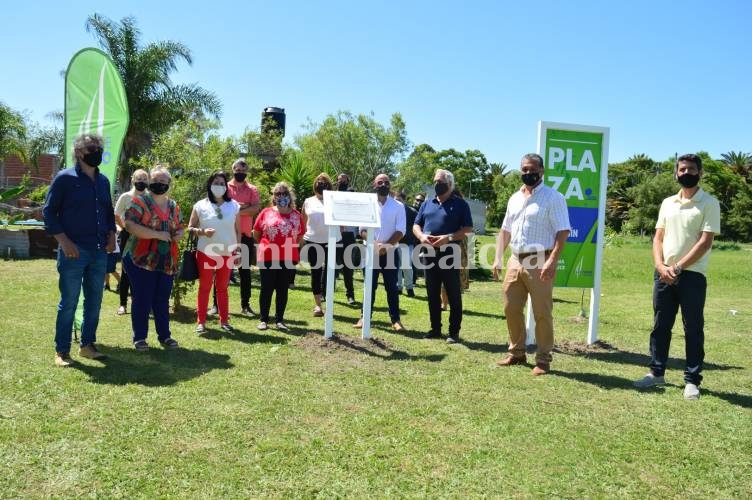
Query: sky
x: 666, y: 77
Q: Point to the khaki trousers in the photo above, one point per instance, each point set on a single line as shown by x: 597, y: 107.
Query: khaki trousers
x: 519, y: 281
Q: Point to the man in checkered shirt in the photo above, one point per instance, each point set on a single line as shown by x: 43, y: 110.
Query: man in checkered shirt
x: 536, y: 227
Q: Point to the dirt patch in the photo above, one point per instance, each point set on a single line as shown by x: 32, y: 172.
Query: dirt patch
x: 571, y: 347
x: 345, y: 345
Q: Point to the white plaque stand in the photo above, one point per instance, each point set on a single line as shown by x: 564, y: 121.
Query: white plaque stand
x: 349, y: 209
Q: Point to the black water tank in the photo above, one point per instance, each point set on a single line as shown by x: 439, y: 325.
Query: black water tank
x: 277, y: 121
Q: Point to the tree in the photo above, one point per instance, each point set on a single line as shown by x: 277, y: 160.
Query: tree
x: 470, y: 169
x: 154, y: 102
x: 621, y: 178
x: 504, y: 186
x: 648, y: 196
x: 13, y: 133
x: 357, y: 145
x: 298, y: 174
x: 740, y: 163
x: 739, y: 218
x: 417, y: 170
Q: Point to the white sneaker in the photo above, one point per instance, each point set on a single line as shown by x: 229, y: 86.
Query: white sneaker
x: 213, y: 311
x: 649, y: 380
x: 262, y: 326
x: 282, y: 327
x: 691, y: 392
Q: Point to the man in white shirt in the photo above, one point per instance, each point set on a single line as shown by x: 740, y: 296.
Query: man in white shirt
x: 386, y: 239
x: 687, y: 223
x: 536, y: 227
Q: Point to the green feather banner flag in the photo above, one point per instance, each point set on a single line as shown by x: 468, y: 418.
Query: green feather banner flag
x: 95, y: 103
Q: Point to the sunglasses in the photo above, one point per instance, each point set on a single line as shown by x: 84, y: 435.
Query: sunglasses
x: 281, y: 193
x: 218, y: 212
x: 94, y: 149
x: 383, y: 183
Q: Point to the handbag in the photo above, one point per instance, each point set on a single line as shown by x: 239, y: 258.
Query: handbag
x: 189, y: 265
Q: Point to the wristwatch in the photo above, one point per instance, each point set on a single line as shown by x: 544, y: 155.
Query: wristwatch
x: 677, y: 269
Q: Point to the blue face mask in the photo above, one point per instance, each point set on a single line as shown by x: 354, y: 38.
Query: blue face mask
x: 283, y: 201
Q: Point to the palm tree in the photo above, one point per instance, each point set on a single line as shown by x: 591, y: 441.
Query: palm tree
x: 154, y: 102
x: 740, y: 163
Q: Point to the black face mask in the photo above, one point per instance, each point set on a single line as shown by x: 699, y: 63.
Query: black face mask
x: 342, y: 186
x: 688, y: 180
x: 441, y: 188
x: 321, y: 186
x: 93, y: 159
x: 140, y: 186
x: 531, y: 179
x: 382, y: 190
x: 239, y: 176
x: 158, y: 187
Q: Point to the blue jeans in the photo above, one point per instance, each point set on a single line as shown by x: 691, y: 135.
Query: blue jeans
x: 86, y: 271
x: 150, y: 292
x: 405, y: 266
x: 688, y: 293
x: 390, y: 285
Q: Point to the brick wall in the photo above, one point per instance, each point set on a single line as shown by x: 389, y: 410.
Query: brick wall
x: 13, y: 169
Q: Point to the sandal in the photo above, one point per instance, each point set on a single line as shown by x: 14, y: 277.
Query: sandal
x: 169, y: 343
x: 317, y: 312
x: 141, y: 346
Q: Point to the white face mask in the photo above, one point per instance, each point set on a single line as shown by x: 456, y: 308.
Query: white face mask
x: 218, y: 191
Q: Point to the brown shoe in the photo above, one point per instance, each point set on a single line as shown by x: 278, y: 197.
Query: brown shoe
x: 359, y: 324
x: 398, y: 326
x: 63, y: 359
x: 90, y: 351
x: 541, y: 369
x: 512, y: 360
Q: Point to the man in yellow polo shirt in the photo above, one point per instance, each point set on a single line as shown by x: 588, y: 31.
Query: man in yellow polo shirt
x: 687, y: 223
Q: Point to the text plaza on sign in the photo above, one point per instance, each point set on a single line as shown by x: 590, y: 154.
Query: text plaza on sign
x: 558, y: 155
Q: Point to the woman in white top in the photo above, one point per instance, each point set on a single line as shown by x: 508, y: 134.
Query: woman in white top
x: 214, y: 220
x: 316, y: 238
x: 139, y: 181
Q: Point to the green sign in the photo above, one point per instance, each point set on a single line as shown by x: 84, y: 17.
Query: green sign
x: 576, y: 163
x: 95, y: 103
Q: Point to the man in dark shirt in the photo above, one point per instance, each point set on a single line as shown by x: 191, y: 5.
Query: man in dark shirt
x: 441, y: 223
x: 407, y: 245
x: 79, y: 214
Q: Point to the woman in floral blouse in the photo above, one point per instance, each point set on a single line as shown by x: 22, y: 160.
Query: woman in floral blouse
x: 151, y: 258
x: 278, y: 229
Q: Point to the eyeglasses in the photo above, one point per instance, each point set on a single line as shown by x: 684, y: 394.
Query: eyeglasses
x: 281, y: 193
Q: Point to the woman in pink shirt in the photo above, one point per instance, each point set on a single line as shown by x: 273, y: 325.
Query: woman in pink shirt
x: 278, y: 230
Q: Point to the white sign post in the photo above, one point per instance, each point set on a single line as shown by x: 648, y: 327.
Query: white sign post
x: 349, y: 209
x: 576, y: 164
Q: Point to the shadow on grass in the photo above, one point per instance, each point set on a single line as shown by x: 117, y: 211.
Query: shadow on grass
x: 610, y: 382
x: 154, y: 368
x: 564, y: 301
x: 375, y: 347
x: 242, y: 336
x: 615, y: 355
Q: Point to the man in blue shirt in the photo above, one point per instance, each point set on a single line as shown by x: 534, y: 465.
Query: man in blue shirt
x: 442, y: 222
x: 79, y: 214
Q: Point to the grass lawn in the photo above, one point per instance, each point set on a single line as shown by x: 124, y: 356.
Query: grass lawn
x: 268, y: 414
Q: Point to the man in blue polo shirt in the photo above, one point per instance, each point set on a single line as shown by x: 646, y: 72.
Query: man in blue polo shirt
x: 442, y: 222
x: 79, y: 214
